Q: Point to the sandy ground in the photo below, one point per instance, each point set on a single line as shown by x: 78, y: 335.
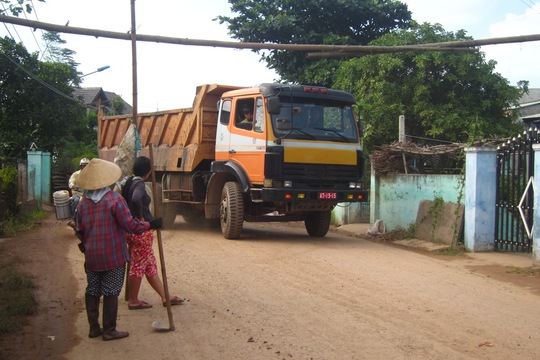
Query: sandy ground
x: 278, y: 294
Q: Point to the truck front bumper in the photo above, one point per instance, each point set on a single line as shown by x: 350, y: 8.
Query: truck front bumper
x: 310, y: 195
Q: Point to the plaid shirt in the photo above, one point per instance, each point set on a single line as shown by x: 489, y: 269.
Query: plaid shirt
x: 102, y: 227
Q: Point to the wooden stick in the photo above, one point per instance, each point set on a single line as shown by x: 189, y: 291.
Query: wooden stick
x: 160, y: 243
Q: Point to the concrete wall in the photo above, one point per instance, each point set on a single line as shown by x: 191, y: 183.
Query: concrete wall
x: 351, y: 213
x: 395, y: 197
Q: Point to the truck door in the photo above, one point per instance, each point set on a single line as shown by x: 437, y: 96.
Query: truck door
x: 247, y: 142
x: 223, y: 133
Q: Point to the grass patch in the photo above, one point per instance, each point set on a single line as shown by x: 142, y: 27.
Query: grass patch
x: 529, y: 272
x: 21, y: 222
x: 17, y: 299
x: 458, y: 250
x: 17, y: 288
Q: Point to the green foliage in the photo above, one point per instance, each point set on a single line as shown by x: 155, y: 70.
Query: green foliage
x: 337, y: 22
x: 20, y: 222
x: 118, y: 106
x: 455, y: 250
x: 411, y: 231
x: 36, y: 104
x: 447, y: 96
x: 8, y: 189
x: 81, y: 142
x: 55, y: 53
x: 16, y: 7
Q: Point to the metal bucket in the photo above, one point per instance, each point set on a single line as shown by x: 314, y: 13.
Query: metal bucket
x: 62, y: 204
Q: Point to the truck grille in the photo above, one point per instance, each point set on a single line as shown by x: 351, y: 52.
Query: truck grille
x: 320, y: 175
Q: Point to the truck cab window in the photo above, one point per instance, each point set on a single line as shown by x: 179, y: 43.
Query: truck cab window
x: 244, y: 114
x: 309, y: 120
x: 259, y: 116
x: 225, y: 114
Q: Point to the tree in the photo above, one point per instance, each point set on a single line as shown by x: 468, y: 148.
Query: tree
x: 35, y: 102
x: 338, y: 22
x: 447, y: 96
x: 118, y: 105
x: 54, y: 52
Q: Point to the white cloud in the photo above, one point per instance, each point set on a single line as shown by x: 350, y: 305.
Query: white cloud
x: 484, y: 19
x: 517, y: 61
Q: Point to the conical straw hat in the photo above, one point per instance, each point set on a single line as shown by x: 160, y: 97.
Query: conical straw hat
x: 98, y: 174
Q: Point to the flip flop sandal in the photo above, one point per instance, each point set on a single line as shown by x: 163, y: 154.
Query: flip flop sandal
x: 140, y: 305
x: 175, y: 301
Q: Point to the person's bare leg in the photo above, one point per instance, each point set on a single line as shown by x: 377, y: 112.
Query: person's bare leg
x: 157, y: 285
x: 134, y: 287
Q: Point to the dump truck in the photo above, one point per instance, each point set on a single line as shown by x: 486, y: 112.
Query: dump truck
x: 298, y: 157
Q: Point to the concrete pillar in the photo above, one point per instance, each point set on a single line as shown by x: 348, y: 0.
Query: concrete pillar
x: 39, y: 177
x: 374, y: 200
x: 480, y: 197
x: 536, y: 204
x: 402, y: 137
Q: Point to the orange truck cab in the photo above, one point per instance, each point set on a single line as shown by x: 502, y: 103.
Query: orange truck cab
x: 274, y: 152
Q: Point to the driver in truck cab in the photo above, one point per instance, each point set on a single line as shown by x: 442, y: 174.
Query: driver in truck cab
x: 247, y: 122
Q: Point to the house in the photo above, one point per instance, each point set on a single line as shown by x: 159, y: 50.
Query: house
x: 93, y: 97
x: 529, y: 109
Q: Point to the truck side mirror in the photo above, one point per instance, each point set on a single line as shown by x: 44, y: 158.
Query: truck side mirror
x: 273, y: 105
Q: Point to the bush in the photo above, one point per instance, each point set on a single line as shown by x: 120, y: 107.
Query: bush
x: 8, y: 189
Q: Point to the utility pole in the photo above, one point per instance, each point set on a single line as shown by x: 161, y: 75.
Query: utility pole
x: 134, y: 71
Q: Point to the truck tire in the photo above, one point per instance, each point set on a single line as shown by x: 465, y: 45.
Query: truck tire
x: 317, y: 223
x: 166, y: 212
x: 231, y: 210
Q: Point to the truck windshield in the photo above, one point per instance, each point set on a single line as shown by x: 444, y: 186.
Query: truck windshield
x: 327, y: 121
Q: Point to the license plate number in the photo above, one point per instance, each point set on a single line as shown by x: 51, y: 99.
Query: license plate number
x: 327, y: 196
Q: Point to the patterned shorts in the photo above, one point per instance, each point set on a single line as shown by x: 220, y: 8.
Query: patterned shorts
x: 143, y: 262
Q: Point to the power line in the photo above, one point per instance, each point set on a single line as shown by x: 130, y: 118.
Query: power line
x: 33, y: 34
x: 42, y: 53
x: 42, y: 82
x: 12, y: 25
x: 531, y: 5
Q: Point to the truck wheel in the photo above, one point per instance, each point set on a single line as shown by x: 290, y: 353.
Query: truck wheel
x: 317, y: 223
x: 166, y: 212
x: 231, y: 210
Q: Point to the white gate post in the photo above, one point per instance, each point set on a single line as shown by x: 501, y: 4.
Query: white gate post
x: 536, y: 204
x: 480, y: 194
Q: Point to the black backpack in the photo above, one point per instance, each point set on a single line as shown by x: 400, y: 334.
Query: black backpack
x: 126, y: 189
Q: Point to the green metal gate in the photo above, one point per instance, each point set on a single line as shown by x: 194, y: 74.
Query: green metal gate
x: 515, y: 195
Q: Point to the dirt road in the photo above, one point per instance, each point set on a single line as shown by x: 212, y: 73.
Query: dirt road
x: 278, y: 294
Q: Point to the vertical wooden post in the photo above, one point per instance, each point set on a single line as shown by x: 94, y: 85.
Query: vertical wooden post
x: 134, y: 64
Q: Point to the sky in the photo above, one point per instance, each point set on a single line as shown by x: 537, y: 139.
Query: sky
x: 167, y: 75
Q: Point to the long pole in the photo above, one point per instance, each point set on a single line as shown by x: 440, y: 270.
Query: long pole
x: 160, y: 246
x: 134, y: 63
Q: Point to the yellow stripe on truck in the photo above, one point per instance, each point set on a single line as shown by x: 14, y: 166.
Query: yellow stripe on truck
x: 338, y: 154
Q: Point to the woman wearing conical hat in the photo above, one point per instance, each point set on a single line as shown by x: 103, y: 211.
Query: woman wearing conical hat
x: 102, y: 222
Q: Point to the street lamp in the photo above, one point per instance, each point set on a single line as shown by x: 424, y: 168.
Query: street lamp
x: 98, y: 70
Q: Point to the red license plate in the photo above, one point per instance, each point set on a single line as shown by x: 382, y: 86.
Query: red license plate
x: 327, y: 196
